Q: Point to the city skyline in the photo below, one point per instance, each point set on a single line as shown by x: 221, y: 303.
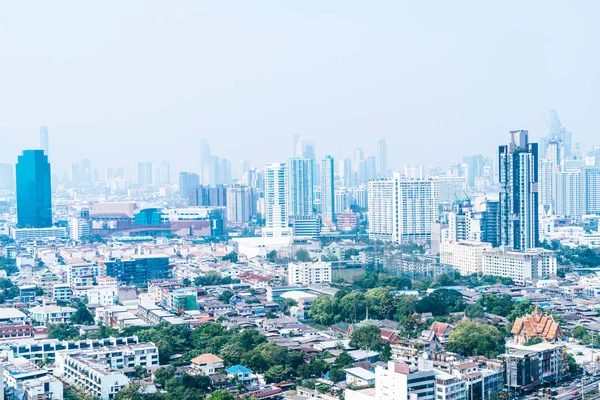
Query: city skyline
x: 422, y: 79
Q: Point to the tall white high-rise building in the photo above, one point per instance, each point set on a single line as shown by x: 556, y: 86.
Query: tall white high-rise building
x: 417, y: 208
x: 327, y: 189
x: 381, y: 158
x: 44, y: 139
x: 402, y: 210
x: 546, y: 184
x: 205, y: 162
x: 519, y: 218
x: 300, y: 186
x: 568, y: 194
x: 381, y: 203
x: 276, y: 201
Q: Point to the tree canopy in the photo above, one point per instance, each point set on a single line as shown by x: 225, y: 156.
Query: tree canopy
x: 472, y: 339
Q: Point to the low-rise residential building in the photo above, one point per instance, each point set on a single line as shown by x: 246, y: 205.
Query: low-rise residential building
x: 359, y: 377
x: 51, y: 314
x: 100, y: 372
x: 207, y: 364
x: 23, y: 379
x: 14, y: 325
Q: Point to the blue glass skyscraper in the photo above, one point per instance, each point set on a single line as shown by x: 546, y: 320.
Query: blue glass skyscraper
x: 34, y: 192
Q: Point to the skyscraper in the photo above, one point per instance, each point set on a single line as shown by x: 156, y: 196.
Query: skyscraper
x: 144, y: 173
x: 381, y: 201
x: 187, y: 181
x: 568, y: 194
x: 241, y: 205
x: 276, y: 201
x: 34, y: 191
x: 205, y: 162
x: 327, y: 189
x: 381, y: 158
x: 44, y: 139
x: 590, y: 191
x: 300, y: 186
x: 518, y: 162
x: 417, y: 209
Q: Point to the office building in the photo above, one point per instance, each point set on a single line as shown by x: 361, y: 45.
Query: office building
x: 568, y: 194
x: 300, y: 186
x: 44, y: 140
x: 139, y: 269
x: 309, y: 273
x: 241, y: 204
x: 521, y: 267
x: 465, y: 256
x: 381, y: 158
x: 78, y: 228
x: 207, y: 196
x: 25, y: 234
x: 382, y: 210
x: 34, y: 191
x: 306, y: 225
x: 590, y: 190
x: 518, y: 162
x: 276, y: 201
x: 530, y: 367
x: 327, y: 189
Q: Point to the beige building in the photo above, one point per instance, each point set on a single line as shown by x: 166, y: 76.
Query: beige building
x: 520, y: 266
x: 464, y: 256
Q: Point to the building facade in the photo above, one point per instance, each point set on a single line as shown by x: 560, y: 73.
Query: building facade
x: 34, y: 191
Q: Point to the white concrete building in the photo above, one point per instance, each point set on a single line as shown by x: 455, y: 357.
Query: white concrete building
x: 448, y: 387
x: 381, y: 200
x: 520, y: 266
x: 51, y: 314
x: 464, y: 256
x: 22, y: 379
x: 590, y: 190
x: 98, y: 371
x: 309, y: 273
x: 276, y: 201
x: 568, y: 194
x: 417, y: 209
x: 397, y: 382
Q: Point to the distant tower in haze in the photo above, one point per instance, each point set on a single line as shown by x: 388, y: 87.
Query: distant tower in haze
x: 381, y: 158
x: 206, y: 162
x: 34, y: 192
x: 44, y: 139
x: 327, y: 189
x: 518, y: 162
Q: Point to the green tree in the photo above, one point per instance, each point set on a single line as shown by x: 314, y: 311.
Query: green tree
x: 287, y: 304
x: 303, y: 255
x: 367, y: 337
x: 497, y: 305
x: 186, y: 282
x: 220, y: 395
x: 271, y: 256
x: 226, y: 296
x: 474, y: 311
x: 82, y: 316
x: 233, y: 257
x: 276, y: 374
x: 520, y: 309
x: 336, y: 375
x: 62, y: 331
x: 322, y: 310
x: 410, y: 326
x: 386, y: 353
x: 344, y: 360
x: 572, y: 364
x: 353, y: 307
x: 472, y: 339
x: 579, y: 332
x: 441, y: 302
x: 169, y: 339
x: 382, y: 304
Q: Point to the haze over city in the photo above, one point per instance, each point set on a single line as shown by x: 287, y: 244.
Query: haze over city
x: 118, y: 82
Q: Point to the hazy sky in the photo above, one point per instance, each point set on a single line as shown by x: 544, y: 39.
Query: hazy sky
x: 121, y: 81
